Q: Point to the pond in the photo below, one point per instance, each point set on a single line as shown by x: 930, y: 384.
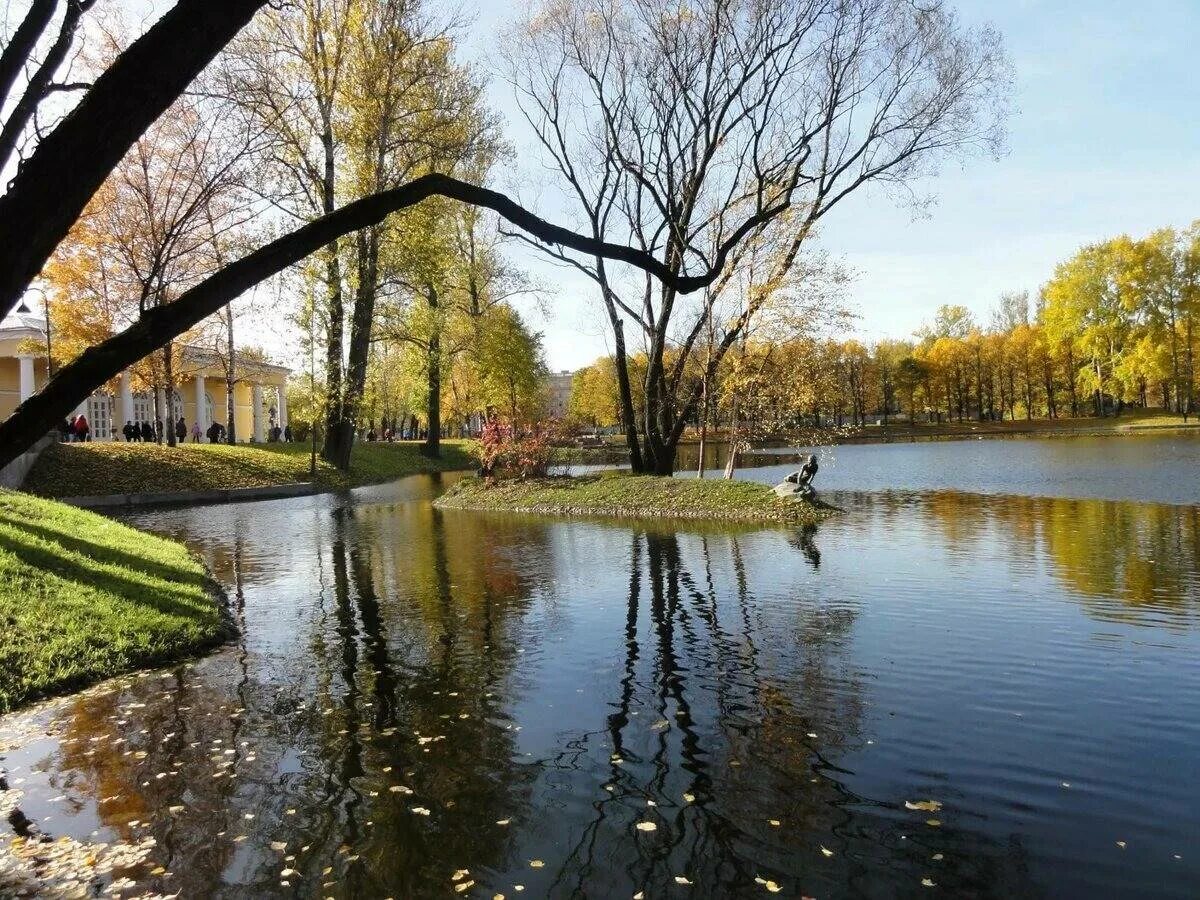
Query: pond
x: 939, y: 692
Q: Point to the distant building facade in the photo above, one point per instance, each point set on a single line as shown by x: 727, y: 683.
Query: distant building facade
x: 558, y: 390
x: 260, y: 397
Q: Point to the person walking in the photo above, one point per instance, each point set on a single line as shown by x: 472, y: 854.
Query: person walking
x: 83, y: 431
x: 147, y: 433
x: 196, y: 432
x: 287, y: 434
x: 181, y: 430
x: 129, y: 431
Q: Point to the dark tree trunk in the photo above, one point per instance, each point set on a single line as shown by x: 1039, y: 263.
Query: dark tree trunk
x: 338, y: 451
x: 432, y: 446
x: 24, y: 40
x: 55, y: 183
x: 38, y: 86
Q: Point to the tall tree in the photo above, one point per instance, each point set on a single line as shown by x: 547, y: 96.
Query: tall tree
x: 689, y: 130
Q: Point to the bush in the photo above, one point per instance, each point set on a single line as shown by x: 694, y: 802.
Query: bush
x: 505, y: 450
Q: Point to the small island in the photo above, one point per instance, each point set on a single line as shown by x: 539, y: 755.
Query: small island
x: 620, y: 495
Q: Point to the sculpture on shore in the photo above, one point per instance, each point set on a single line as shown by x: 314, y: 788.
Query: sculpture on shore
x: 799, y: 484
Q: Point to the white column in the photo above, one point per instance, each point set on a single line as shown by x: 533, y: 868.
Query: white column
x: 256, y: 413
x: 126, y: 410
x: 26, y: 377
x: 281, y: 404
x: 200, y: 403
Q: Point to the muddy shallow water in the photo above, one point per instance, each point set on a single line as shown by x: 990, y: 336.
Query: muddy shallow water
x: 937, y: 693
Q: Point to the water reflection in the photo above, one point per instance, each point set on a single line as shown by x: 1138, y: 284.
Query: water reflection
x: 418, y: 695
x: 1144, y: 556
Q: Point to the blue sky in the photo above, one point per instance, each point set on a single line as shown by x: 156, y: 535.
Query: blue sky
x: 1105, y: 140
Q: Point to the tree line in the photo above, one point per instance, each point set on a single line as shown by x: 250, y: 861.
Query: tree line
x: 1115, y: 326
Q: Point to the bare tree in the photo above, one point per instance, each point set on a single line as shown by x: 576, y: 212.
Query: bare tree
x: 687, y: 130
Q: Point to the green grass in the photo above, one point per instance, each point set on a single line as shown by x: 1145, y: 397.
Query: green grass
x: 613, y: 494
x: 80, y: 470
x: 83, y: 598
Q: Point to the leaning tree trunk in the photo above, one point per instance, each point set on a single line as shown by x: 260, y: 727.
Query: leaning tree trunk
x: 76, y: 380
x: 637, y: 463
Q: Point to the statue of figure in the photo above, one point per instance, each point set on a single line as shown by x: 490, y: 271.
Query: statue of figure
x: 800, y: 483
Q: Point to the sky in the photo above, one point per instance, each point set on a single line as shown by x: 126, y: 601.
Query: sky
x: 1104, y: 140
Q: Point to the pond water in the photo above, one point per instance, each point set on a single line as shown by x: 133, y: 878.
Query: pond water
x: 936, y: 693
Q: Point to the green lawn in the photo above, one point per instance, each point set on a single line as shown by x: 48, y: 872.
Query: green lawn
x: 613, y: 494
x: 83, y: 598
x: 76, y: 470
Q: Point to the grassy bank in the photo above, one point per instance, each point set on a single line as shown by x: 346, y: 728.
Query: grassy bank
x: 619, y: 495
x: 78, y: 470
x: 83, y: 598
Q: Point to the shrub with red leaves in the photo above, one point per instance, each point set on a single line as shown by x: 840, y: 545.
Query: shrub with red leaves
x: 506, y: 450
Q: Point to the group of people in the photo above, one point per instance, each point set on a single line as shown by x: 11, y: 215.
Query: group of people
x: 75, y: 429
x: 277, y: 434
x: 143, y: 432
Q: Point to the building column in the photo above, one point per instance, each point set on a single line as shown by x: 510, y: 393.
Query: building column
x: 200, y: 403
x: 126, y: 409
x: 281, y: 404
x: 26, y: 383
x: 162, y: 408
x: 256, y: 413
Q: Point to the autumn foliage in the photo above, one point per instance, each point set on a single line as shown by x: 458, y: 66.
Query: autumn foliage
x: 508, y: 450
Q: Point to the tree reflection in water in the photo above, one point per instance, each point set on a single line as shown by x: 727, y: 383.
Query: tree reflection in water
x: 711, y: 681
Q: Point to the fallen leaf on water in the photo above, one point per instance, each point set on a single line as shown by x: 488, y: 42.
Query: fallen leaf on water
x: 775, y: 822
x: 639, y: 895
x: 928, y: 882
x: 460, y: 875
x: 826, y: 851
x: 536, y: 864
x: 1121, y: 844
x: 278, y: 845
x: 772, y: 887
x: 420, y: 810
x: 682, y: 879
x: 503, y: 821
x: 923, y: 805
x: 689, y: 798
x: 938, y: 856
x: 933, y: 823
x: 646, y: 826
x: 174, y: 810
x: 465, y: 886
